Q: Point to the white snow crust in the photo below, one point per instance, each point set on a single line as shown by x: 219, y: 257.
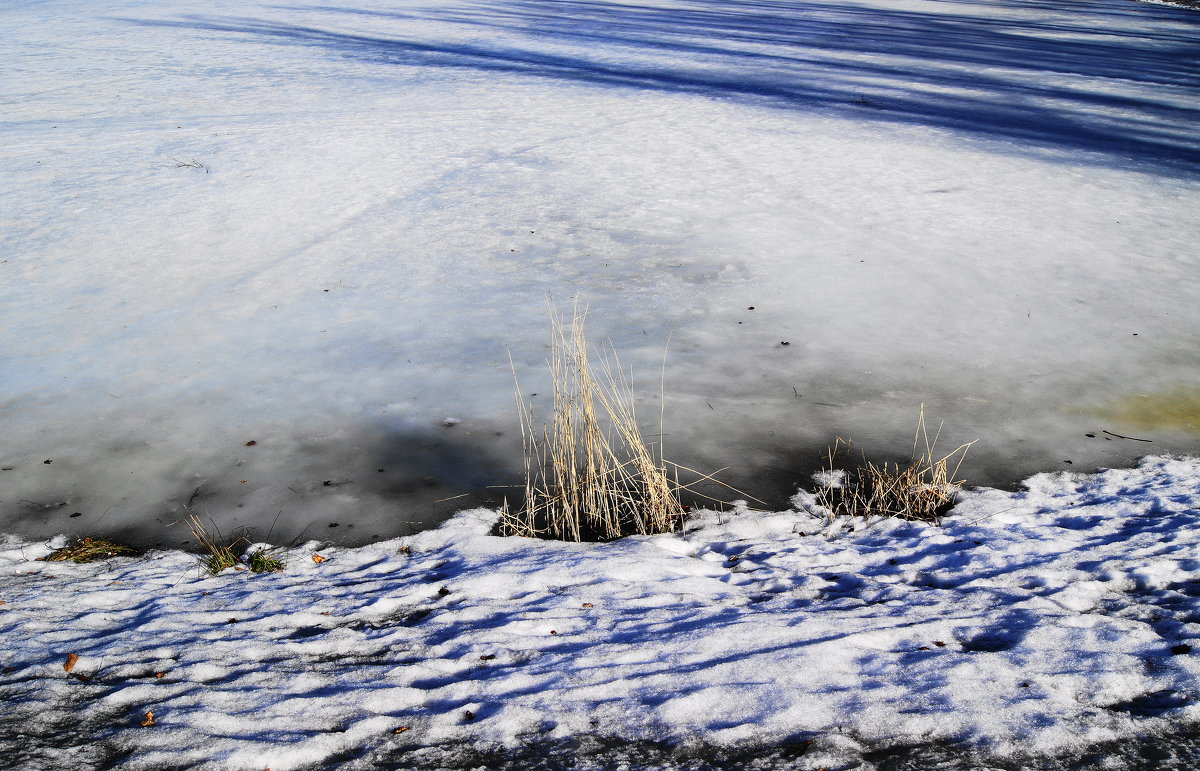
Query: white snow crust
x: 1033, y: 623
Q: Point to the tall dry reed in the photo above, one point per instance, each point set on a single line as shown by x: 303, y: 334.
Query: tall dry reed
x: 590, y: 474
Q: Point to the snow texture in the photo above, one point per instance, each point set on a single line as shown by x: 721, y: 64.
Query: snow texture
x: 1033, y: 625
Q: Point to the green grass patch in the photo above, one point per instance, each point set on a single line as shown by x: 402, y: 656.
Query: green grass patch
x: 263, y: 561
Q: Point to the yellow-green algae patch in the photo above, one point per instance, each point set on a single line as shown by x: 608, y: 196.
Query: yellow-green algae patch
x: 1176, y: 409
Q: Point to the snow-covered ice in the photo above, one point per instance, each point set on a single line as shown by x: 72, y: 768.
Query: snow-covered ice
x: 1032, y: 625
x: 324, y: 228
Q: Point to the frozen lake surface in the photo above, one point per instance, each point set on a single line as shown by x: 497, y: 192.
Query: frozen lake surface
x: 324, y: 229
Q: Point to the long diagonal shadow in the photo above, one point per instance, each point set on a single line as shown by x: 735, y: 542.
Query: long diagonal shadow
x: 1115, y: 79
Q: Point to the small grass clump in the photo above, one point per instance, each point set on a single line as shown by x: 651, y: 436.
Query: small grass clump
x: 263, y: 561
x: 89, y: 549
x: 922, y: 489
x: 590, y: 473
x: 221, y: 554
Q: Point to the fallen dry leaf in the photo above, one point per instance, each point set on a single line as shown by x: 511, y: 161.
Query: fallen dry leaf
x: 147, y: 719
x: 587, y: 604
x: 159, y: 675
x: 317, y: 558
x: 69, y: 664
x: 401, y: 729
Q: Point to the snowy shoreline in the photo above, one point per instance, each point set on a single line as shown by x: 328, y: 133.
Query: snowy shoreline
x: 1033, y: 624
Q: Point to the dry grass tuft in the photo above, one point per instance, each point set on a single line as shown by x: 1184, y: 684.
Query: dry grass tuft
x: 590, y: 472
x: 221, y: 554
x: 923, y: 489
x: 90, y: 550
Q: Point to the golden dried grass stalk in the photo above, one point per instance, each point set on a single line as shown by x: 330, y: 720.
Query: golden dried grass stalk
x: 589, y: 472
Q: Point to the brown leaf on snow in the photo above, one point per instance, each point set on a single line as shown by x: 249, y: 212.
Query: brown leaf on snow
x: 159, y: 675
x: 69, y: 664
x: 317, y: 558
x: 147, y: 719
x: 401, y: 729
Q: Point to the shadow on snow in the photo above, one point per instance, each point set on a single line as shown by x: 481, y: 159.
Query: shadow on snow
x: 1116, y: 78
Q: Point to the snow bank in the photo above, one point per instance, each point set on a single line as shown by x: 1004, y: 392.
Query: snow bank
x: 1036, y: 622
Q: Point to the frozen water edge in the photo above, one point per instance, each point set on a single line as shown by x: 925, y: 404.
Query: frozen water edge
x: 1056, y: 621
